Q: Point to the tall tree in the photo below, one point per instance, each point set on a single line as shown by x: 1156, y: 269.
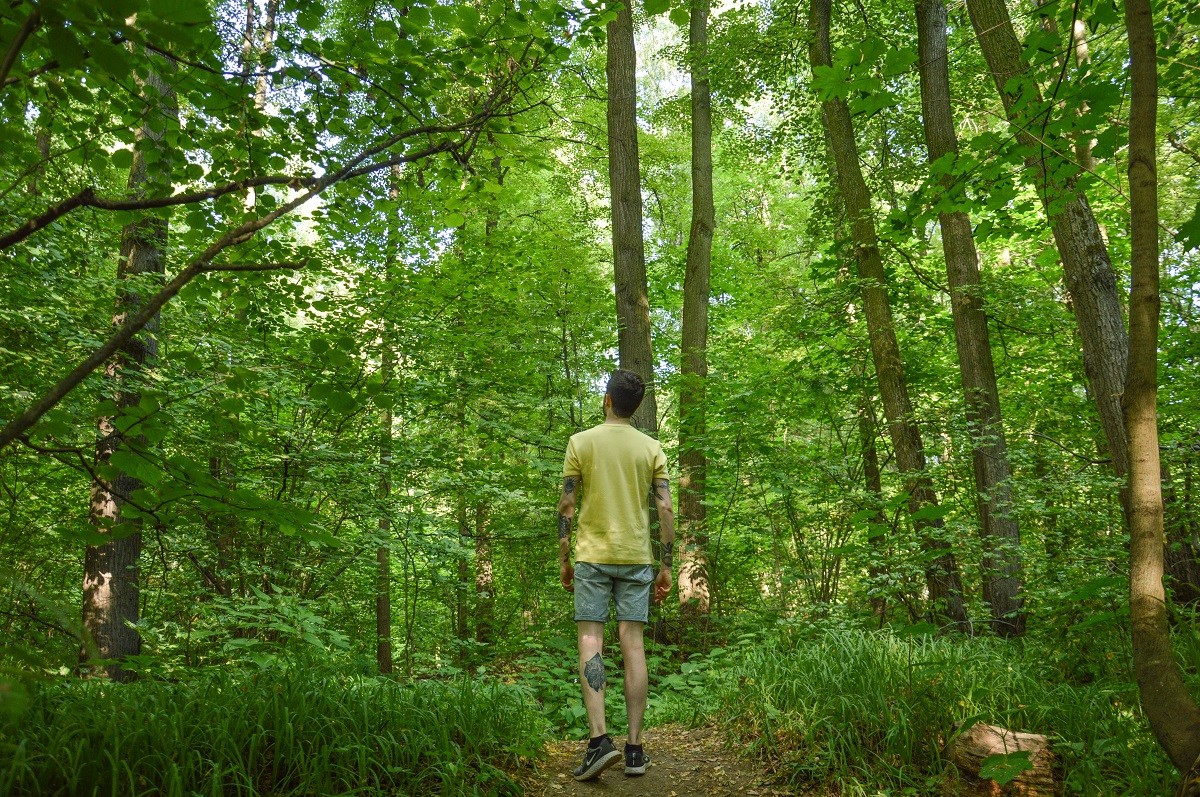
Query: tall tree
x: 1090, y: 279
x: 387, y: 373
x: 998, y: 525
x: 1172, y: 711
x: 941, y: 569
x: 694, y: 585
x: 111, y: 568
x: 629, y: 251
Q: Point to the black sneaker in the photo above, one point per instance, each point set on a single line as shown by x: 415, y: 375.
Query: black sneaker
x: 596, y: 760
x: 636, y: 761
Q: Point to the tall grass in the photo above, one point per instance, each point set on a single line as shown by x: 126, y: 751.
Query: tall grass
x: 276, y: 732
x: 873, y: 711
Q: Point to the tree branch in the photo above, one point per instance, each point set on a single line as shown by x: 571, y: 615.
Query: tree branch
x: 49, y: 66
x: 87, y: 197
x: 1177, y: 144
x: 257, y: 266
x: 16, y: 427
x: 10, y: 58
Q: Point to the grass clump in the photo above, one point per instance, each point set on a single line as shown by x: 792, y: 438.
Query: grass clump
x: 874, y: 710
x: 281, y: 731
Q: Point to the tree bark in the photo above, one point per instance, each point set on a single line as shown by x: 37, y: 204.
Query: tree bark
x: 873, y: 482
x: 1173, y: 714
x: 941, y: 569
x: 1182, y: 551
x: 111, y: 569
x: 1088, y: 270
x: 993, y: 492
x: 629, y: 252
x: 485, y: 578
x: 694, y: 584
x: 387, y: 372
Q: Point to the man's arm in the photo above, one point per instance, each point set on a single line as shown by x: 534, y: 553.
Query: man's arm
x: 566, y: 511
x: 666, y: 536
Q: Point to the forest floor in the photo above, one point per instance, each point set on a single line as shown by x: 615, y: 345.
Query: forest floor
x: 684, y: 762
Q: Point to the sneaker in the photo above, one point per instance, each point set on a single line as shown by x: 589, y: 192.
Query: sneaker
x: 596, y: 760
x: 636, y: 761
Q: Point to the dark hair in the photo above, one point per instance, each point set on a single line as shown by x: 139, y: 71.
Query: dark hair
x: 626, y: 389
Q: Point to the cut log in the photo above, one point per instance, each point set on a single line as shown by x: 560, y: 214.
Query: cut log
x: 974, y: 745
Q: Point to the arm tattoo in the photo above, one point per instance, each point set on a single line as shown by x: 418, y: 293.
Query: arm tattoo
x: 593, y: 672
x: 564, y: 526
x: 569, y: 485
x: 668, y: 554
x: 662, y: 489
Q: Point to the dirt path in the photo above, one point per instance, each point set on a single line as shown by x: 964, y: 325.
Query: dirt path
x: 684, y: 762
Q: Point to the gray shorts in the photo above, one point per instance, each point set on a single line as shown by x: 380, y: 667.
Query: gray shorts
x: 628, y: 585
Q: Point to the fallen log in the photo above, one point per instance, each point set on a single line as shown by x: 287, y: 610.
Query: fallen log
x: 974, y: 746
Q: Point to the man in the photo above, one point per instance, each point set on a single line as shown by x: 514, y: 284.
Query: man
x: 614, y: 465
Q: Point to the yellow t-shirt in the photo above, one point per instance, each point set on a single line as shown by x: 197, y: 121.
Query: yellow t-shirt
x: 617, y: 466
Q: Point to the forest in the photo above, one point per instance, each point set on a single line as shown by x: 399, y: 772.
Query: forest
x: 301, y: 301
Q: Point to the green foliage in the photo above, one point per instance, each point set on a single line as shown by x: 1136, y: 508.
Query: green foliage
x: 873, y: 710
x: 265, y: 491
x: 679, y: 692
x: 303, y: 729
x: 1005, y: 768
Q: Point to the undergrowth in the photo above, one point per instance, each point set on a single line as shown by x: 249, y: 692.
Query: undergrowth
x: 679, y: 689
x: 278, y: 731
x: 874, y: 710
x: 824, y: 703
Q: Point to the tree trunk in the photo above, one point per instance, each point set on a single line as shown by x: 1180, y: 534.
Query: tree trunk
x: 873, y: 482
x: 383, y: 553
x: 998, y: 526
x: 941, y: 570
x: 694, y: 585
x: 1183, y: 551
x: 268, y: 41
x: 629, y: 252
x: 1173, y: 714
x: 462, y: 606
x: 111, y: 570
x: 1088, y: 270
x: 485, y: 586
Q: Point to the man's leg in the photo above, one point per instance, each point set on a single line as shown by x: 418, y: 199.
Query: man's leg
x: 633, y: 650
x: 591, y: 673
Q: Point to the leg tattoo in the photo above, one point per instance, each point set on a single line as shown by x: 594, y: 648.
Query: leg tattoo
x: 593, y: 671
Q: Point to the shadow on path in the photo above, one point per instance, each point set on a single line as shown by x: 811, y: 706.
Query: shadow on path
x: 685, y: 762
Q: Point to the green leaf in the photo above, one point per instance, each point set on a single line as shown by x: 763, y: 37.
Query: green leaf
x: 1189, y: 231
x: 918, y: 629
x: 655, y: 7
x: 111, y: 58
x: 680, y: 16
x: 122, y: 159
x: 930, y: 512
x: 65, y: 46
x: 1093, y: 587
x: 1006, y: 767
x: 181, y: 12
